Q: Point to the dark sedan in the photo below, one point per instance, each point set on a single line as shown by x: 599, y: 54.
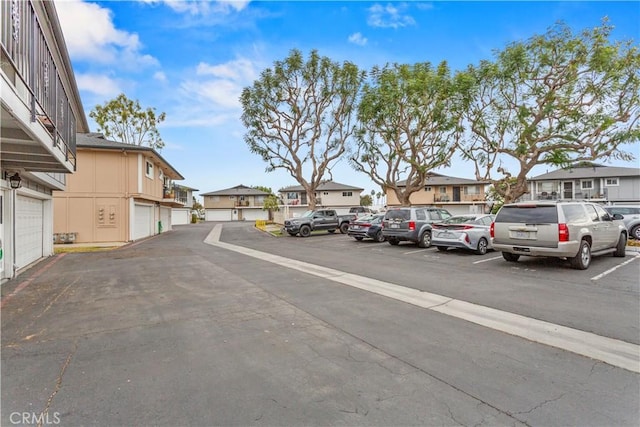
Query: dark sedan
x: 369, y: 226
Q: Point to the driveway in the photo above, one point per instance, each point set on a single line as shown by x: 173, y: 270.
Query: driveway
x: 175, y: 331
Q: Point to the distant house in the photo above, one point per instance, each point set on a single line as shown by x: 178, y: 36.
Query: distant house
x: 120, y: 193
x: 184, y: 196
x: 329, y: 194
x: 235, y: 204
x: 457, y: 195
x: 587, y: 181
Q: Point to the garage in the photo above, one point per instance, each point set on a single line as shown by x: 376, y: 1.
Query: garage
x: 180, y: 216
x: 254, y: 214
x: 165, y: 218
x: 29, y: 230
x: 143, y: 221
x: 218, y: 215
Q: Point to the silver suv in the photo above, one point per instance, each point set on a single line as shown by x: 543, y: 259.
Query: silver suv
x: 411, y: 224
x: 562, y: 229
x: 631, y: 217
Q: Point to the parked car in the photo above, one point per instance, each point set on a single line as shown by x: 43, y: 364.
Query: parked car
x: 463, y: 231
x: 361, y: 211
x: 411, y: 224
x: 321, y: 219
x: 369, y: 226
x: 562, y: 229
x: 631, y: 217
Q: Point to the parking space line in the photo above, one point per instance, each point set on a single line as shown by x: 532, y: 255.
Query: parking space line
x: 609, y: 350
x: 414, y: 252
x: 611, y: 270
x: 488, y: 259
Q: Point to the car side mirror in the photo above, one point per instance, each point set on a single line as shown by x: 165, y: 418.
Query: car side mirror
x: 618, y: 216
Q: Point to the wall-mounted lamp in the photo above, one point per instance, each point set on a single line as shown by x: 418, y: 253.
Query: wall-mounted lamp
x: 15, y: 181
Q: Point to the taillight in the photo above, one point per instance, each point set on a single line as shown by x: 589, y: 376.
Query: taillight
x: 492, y: 230
x: 365, y: 225
x: 412, y: 225
x: 563, y: 233
x: 466, y: 227
x: 435, y: 226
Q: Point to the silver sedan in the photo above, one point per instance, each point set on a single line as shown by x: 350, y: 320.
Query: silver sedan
x: 469, y: 231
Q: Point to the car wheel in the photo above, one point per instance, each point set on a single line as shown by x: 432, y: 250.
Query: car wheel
x: 583, y: 258
x: 442, y: 248
x: 344, y: 228
x: 425, y: 240
x: 621, y: 247
x: 510, y: 257
x: 305, y: 231
x: 332, y: 231
x: 635, y: 232
x: 379, y: 237
x: 482, y: 246
x: 393, y: 241
x: 358, y: 238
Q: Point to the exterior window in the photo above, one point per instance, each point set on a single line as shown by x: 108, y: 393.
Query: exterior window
x: 326, y: 193
x: 427, y: 188
x: 259, y: 199
x: 586, y: 185
x: 443, y: 189
x: 611, y: 182
x: 215, y: 198
x: 471, y: 190
x: 546, y: 186
x: 149, y: 170
x: 232, y: 197
x: 347, y: 194
x: 292, y: 196
x: 242, y: 198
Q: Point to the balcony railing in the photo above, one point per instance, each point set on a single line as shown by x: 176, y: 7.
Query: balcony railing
x: 449, y: 198
x: 27, y: 59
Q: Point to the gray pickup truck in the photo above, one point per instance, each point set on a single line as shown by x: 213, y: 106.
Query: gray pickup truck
x: 320, y: 219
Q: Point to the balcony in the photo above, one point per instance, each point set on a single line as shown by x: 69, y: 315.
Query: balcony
x: 174, y: 196
x: 241, y: 203
x: 38, y: 123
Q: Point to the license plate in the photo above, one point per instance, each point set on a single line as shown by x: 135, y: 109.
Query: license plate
x: 521, y: 235
x: 394, y: 226
x: 356, y: 227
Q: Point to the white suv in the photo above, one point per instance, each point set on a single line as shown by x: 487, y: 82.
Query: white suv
x: 562, y: 229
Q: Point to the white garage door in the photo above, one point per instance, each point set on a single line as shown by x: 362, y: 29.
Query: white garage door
x: 254, y: 214
x: 143, y: 221
x: 29, y: 230
x: 180, y: 216
x: 218, y: 215
x: 165, y: 218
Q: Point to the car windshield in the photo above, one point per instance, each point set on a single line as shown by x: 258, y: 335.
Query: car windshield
x: 307, y: 214
x: 401, y: 214
x: 462, y: 219
x: 366, y: 218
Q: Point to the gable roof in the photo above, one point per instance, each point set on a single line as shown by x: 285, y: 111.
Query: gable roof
x: 588, y: 171
x: 98, y: 141
x: 238, y: 190
x: 439, y: 179
x: 324, y: 186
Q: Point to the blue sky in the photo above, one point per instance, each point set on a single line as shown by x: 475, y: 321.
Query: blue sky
x: 191, y: 60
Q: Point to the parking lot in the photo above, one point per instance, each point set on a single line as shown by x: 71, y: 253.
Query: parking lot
x: 251, y: 329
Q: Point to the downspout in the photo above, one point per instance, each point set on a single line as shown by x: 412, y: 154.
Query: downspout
x: 13, y: 234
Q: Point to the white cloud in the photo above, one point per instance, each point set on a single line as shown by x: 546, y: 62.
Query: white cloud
x: 357, y: 38
x: 202, y: 7
x: 160, y: 76
x: 91, y: 35
x: 98, y: 84
x: 389, y: 16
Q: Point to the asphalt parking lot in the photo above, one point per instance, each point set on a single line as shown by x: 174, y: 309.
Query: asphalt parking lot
x: 235, y: 331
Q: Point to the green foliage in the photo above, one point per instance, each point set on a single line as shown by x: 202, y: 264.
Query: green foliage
x: 366, y: 200
x: 125, y: 121
x: 553, y: 99
x: 299, y: 115
x: 410, y: 123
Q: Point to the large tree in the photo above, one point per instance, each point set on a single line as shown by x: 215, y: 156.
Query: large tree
x: 553, y: 99
x: 125, y: 121
x: 410, y: 123
x: 299, y: 116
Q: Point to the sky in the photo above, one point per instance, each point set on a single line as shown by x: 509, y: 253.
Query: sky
x: 191, y: 60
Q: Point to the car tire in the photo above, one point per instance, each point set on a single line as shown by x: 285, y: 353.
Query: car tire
x: 379, y: 237
x: 583, y: 258
x: 635, y: 232
x: 442, y: 248
x: 292, y: 234
x: 358, y: 238
x: 394, y: 242
x: 482, y: 246
x: 621, y: 247
x: 305, y: 231
x: 510, y: 257
x: 332, y: 231
x: 425, y: 240
x: 344, y: 227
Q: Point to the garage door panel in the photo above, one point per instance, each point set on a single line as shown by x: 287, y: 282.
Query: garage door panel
x: 218, y: 215
x: 254, y: 214
x: 180, y: 216
x: 29, y: 230
x: 143, y: 222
